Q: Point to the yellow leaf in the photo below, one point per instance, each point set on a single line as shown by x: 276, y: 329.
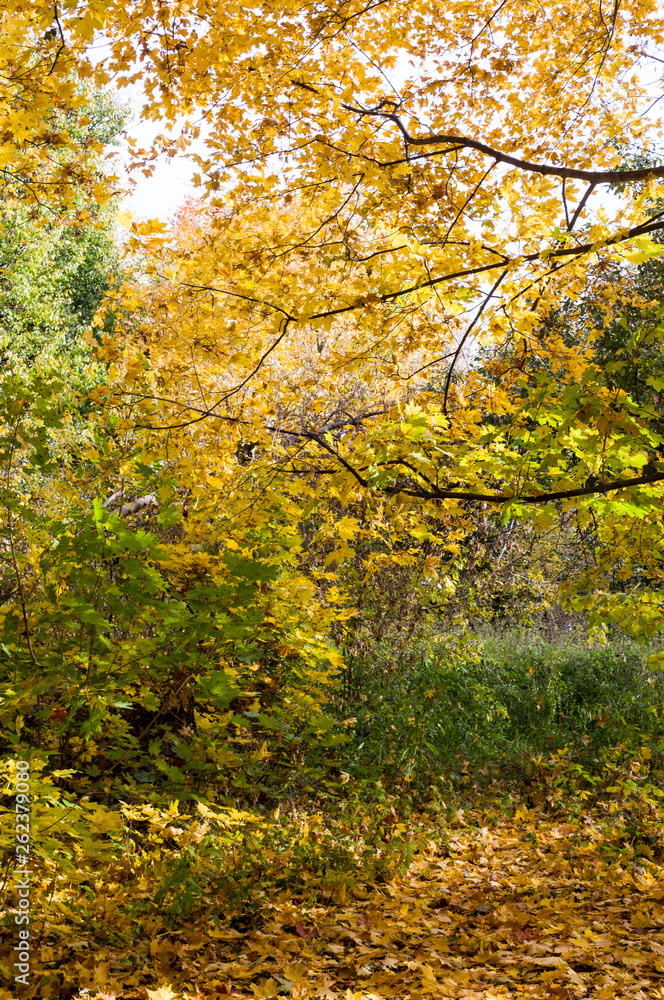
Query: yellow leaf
x: 163, y: 993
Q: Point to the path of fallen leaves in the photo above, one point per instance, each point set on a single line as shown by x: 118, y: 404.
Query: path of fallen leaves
x: 500, y: 916
x: 526, y: 908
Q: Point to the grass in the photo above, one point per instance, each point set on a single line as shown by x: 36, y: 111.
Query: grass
x: 501, y: 701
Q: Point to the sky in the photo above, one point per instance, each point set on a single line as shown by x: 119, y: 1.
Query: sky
x: 160, y: 195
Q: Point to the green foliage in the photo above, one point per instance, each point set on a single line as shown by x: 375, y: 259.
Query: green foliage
x: 53, y: 276
x: 457, y: 712
x: 123, y: 674
x: 56, y: 267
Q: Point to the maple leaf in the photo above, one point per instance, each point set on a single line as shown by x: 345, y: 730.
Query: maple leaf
x: 163, y: 993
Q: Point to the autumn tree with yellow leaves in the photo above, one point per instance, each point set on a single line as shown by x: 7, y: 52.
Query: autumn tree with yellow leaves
x: 344, y: 357
x: 345, y: 354
x: 398, y: 363
x: 396, y: 202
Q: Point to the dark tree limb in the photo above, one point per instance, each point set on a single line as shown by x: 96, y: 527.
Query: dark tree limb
x: 463, y: 142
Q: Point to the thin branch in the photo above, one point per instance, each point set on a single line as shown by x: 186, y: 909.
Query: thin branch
x: 435, y: 361
x: 143, y: 396
x: 468, y: 200
x: 63, y: 43
x: 579, y: 208
x: 462, y: 342
x: 564, y: 195
x: 349, y: 468
x: 335, y: 425
x: 486, y: 24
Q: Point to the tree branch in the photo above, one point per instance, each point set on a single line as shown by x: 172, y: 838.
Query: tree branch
x: 56, y: 18
x: 463, y: 142
x: 598, y: 489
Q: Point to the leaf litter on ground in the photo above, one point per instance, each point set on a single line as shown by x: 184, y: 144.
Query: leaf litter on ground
x: 490, y: 906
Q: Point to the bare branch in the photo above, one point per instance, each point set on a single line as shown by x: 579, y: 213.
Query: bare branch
x: 462, y: 342
x: 579, y: 208
x: 56, y: 18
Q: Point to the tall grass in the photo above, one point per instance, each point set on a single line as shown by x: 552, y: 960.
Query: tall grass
x: 491, y: 703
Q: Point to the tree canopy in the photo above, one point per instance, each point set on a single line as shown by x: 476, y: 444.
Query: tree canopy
x: 397, y: 202
x: 398, y: 199
x: 407, y: 311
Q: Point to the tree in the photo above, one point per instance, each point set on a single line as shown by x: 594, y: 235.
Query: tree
x: 401, y: 320
x: 54, y: 277
x: 386, y: 200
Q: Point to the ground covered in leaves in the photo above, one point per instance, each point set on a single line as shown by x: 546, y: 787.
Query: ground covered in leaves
x: 490, y: 906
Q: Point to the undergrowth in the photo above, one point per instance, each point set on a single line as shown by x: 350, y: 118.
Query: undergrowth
x: 512, y: 726
x: 505, y: 699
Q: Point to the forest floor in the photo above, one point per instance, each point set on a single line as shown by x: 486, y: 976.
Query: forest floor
x: 502, y: 907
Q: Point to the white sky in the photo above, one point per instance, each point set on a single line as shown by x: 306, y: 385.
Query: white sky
x: 159, y: 195
x: 170, y: 185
